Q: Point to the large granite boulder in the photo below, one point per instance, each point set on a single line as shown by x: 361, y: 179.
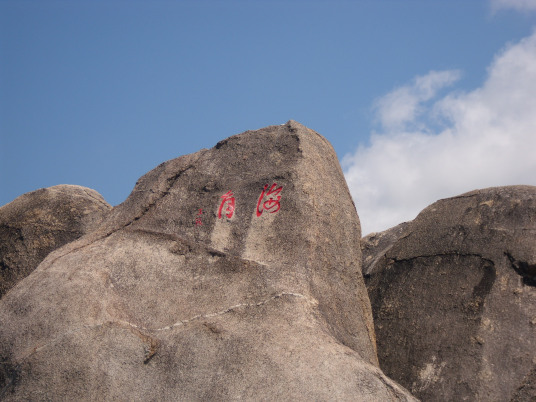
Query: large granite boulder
x: 454, y: 297
x: 231, y: 273
x: 36, y: 223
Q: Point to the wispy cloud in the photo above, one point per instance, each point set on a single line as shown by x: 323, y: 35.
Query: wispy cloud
x: 404, y: 105
x: 488, y: 139
x: 519, y: 5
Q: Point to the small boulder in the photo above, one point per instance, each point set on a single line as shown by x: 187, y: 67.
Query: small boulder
x: 38, y: 222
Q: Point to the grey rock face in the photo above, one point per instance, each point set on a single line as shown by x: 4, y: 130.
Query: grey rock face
x: 454, y: 298
x: 41, y: 221
x: 231, y: 273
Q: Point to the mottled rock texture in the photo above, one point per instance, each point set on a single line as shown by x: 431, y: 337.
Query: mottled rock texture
x: 454, y: 298
x: 41, y: 221
x: 231, y: 273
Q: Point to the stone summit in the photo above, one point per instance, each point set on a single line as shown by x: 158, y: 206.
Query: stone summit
x: 239, y: 273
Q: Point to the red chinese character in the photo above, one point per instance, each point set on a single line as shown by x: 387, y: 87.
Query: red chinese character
x: 198, y: 221
x: 271, y: 205
x: 229, y: 200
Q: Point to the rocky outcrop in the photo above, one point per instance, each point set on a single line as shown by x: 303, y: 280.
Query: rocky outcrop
x: 374, y: 245
x: 454, y: 298
x: 41, y: 221
x: 231, y: 273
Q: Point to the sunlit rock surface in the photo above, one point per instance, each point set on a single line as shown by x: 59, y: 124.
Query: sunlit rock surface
x: 231, y: 273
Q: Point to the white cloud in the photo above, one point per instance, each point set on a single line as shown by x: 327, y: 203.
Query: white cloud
x: 489, y: 140
x: 403, y: 105
x: 519, y: 5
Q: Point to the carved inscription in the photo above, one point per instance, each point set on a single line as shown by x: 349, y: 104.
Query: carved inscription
x: 269, y: 200
x: 198, y: 221
x: 228, y: 201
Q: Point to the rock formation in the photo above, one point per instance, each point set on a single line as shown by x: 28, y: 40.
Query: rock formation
x: 231, y: 273
x: 41, y: 221
x: 375, y: 245
x: 454, y: 298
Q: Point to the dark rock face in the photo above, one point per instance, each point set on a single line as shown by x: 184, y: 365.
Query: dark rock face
x: 231, y: 273
x: 41, y: 221
x: 454, y: 300
x: 375, y: 245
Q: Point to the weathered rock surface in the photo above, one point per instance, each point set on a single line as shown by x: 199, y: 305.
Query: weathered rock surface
x: 41, y: 221
x: 374, y: 245
x: 231, y: 273
x: 454, y: 298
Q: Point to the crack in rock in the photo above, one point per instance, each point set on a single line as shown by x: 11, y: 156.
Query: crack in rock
x: 524, y: 269
x: 153, y: 345
x: 170, y: 182
x: 445, y: 254
x: 228, y: 310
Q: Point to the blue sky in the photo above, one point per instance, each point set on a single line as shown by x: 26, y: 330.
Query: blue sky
x: 97, y: 93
